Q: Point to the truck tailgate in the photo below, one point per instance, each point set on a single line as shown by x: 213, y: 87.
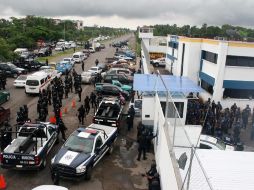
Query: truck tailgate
x: 18, y: 160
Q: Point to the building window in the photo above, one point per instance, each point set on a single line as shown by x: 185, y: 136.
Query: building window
x: 171, y: 109
x: 206, y: 86
x: 209, y: 56
x: 238, y: 93
x: 240, y: 61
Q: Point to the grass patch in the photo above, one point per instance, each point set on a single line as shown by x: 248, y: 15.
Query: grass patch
x: 59, y: 53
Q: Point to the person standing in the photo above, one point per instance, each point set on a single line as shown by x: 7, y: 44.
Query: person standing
x: 96, y: 62
x: 142, y: 140
x: 83, y: 66
x: 93, y: 99
x: 79, y: 93
x: 62, y: 129
x: 81, y: 114
x: 87, y: 104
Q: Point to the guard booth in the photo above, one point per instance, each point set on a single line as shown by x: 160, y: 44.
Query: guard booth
x: 173, y: 93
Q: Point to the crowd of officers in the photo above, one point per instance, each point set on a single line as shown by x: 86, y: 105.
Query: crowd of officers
x: 3, y: 80
x: 217, y: 121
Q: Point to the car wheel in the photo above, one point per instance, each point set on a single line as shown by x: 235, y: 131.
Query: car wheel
x: 111, y: 149
x: 89, y: 173
x: 7, y: 98
x: 15, y: 75
x: 157, y: 64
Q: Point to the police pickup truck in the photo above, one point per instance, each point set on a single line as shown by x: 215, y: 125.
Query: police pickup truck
x: 30, y: 147
x: 109, y: 112
x: 82, y: 151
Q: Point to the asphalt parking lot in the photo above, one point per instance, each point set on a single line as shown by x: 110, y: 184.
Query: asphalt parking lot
x: 118, y: 171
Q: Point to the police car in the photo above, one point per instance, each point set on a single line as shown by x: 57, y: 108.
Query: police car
x: 82, y: 151
x: 209, y: 142
x: 30, y: 148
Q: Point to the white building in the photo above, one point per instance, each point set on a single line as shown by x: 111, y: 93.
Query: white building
x: 224, y: 69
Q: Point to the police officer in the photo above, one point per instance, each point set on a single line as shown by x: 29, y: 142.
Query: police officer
x: 66, y: 89
x: 87, y: 104
x: 25, y: 112
x: 62, y: 128
x: 96, y: 62
x: 83, y: 65
x: 93, y: 99
x: 70, y: 82
x: 3, y: 80
x: 142, y: 140
x: 81, y: 114
x: 79, y: 91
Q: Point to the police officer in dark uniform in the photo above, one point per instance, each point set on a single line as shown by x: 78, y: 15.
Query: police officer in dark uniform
x: 81, y: 114
x: 62, y: 128
x: 142, y: 140
x: 93, y: 99
x: 79, y: 91
x: 87, y: 104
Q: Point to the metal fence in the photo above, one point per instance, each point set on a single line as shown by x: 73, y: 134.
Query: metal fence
x: 181, y: 141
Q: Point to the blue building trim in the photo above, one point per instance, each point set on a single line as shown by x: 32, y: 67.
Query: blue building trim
x: 234, y: 84
x: 201, y: 61
x: 207, y: 78
x: 171, y: 57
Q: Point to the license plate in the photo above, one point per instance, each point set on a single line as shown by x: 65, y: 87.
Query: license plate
x: 19, y: 166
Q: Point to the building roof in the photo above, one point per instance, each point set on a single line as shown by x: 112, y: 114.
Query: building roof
x: 152, y: 82
x: 226, y: 170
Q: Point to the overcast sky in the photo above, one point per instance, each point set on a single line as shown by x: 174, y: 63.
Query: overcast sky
x: 133, y: 13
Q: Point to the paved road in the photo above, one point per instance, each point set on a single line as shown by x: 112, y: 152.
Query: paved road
x: 117, y: 171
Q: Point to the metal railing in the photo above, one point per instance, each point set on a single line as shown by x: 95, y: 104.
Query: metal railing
x: 193, y: 175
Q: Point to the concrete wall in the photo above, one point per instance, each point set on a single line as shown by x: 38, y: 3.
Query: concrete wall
x: 233, y: 73
x: 159, y: 49
x: 163, y: 158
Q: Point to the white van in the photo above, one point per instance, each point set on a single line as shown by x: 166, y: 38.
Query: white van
x: 78, y: 57
x: 37, y: 82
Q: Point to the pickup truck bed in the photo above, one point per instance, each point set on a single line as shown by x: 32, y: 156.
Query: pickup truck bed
x: 108, y: 114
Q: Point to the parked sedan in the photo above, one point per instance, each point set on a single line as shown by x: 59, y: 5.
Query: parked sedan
x: 158, y: 62
x: 87, y: 77
x: 103, y: 66
x: 4, y: 96
x: 70, y: 59
x: 95, y: 70
x: 64, y: 67
x: 123, y: 57
x: 122, y: 78
x: 20, y: 81
x: 106, y: 89
x: 12, y: 70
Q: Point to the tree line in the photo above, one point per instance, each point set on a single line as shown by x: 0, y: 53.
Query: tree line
x: 226, y: 31
x: 25, y: 32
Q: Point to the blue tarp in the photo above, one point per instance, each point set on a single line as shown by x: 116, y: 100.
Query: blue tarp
x: 152, y: 82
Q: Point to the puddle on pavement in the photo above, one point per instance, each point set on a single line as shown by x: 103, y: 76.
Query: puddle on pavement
x: 127, y: 152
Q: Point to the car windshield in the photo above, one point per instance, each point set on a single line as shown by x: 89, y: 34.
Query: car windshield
x: 79, y: 144
x: 220, y: 144
x: 12, y: 66
x: 75, y: 56
x: 94, y: 69
x: 22, y: 77
x: 32, y: 82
